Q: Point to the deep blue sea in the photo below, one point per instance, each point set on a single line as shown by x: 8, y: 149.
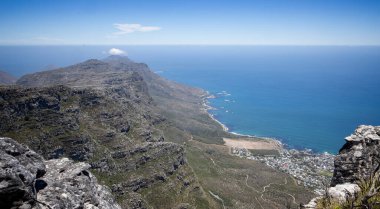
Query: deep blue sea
x: 308, y: 97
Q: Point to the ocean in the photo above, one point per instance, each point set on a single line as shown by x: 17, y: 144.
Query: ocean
x: 305, y: 96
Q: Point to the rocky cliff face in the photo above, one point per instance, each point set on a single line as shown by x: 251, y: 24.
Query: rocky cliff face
x: 359, y: 156
x: 28, y: 181
x: 357, y: 160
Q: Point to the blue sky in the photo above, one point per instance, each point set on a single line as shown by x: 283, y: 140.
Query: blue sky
x: 238, y: 22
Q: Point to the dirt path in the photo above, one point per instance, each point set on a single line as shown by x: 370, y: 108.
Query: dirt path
x: 218, y: 198
x: 212, y: 160
x: 259, y: 203
x: 265, y: 189
x: 246, y: 183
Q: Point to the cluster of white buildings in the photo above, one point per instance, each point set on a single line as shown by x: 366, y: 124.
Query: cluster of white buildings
x: 311, y: 169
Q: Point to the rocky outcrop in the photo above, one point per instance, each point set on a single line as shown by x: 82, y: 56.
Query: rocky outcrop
x: 20, y: 167
x: 27, y: 181
x: 71, y: 185
x: 357, y: 160
x: 359, y: 156
x: 341, y: 191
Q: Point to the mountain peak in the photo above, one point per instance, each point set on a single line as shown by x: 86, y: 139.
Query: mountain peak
x: 117, y: 58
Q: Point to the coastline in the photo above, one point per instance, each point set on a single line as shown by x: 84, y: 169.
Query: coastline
x: 207, y: 107
x: 300, y: 164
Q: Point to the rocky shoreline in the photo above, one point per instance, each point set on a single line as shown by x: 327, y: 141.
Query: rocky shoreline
x: 207, y: 107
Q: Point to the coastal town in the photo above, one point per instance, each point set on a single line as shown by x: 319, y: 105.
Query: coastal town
x: 310, y: 169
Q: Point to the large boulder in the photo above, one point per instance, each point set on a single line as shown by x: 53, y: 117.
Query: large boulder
x: 341, y: 192
x: 71, y: 185
x: 19, y: 169
x: 358, y: 158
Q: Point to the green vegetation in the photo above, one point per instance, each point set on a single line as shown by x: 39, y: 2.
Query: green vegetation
x: 242, y: 183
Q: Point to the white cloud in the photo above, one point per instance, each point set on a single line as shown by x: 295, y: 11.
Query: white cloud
x: 131, y: 28
x: 115, y: 51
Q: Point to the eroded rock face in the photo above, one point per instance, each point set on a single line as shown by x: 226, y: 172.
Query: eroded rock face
x: 19, y: 168
x: 27, y: 181
x: 359, y: 156
x: 71, y: 185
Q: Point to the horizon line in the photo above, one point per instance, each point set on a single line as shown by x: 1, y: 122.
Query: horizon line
x: 293, y: 45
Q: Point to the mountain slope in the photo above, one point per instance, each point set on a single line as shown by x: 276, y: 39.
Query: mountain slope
x: 105, y: 118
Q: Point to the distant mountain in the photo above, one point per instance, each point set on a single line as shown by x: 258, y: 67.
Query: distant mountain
x: 6, y: 78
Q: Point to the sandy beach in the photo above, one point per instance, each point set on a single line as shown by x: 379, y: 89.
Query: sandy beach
x: 253, y: 143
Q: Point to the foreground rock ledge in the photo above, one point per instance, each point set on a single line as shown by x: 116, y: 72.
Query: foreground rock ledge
x: 357, y: 160
x: 27, y: 181
x: 359, y: 155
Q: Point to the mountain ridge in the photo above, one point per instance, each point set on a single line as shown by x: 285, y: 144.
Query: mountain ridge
x: 142, y: 134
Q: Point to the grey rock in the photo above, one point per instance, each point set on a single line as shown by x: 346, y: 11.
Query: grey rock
x: 71, y: 185
x: 312, y: 204
x: 125, y: 129
x: 19, y: 168
x: 341, y: 192
x: 359, y: 156
x: 27, y: 181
